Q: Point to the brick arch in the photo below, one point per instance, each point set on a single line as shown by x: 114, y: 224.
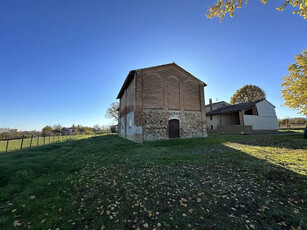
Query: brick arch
x: 153, y: 91
x: 173, y: 92
x: 191, y: 100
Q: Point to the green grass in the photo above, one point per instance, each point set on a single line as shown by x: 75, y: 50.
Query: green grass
x: 291, y: 130
x: 14, y: 145
x: 105, y: 182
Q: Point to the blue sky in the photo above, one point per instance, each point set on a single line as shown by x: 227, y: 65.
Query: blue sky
x: 65, y: 61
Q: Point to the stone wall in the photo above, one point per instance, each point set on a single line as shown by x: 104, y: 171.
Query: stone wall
x: 156, y: 124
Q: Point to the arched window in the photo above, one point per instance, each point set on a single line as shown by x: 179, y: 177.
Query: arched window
x: 173, y: 97
x: 153, y: 91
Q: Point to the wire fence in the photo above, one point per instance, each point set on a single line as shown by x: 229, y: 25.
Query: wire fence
x: 10, y: 145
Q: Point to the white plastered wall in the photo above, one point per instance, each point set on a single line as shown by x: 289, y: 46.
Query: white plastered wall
x: 266, y: 118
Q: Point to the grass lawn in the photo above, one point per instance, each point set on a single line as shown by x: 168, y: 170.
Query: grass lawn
x: 105, y: 182
x: 14, y: 145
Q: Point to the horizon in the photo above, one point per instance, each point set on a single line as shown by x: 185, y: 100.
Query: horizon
x: 63, y: 62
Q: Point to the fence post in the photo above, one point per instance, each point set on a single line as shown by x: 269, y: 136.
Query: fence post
x: 49, y: 138
x: 44, y: 138
x: 59, y: 137
x: 37, y: 140
x: 7, y: 144
x: 53, y: 137
x: 31, y: 141
x: 21, y: 143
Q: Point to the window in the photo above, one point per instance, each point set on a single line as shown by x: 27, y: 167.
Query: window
x: 211, y: 117
x: 251, y: 111
x: 130, y: 123
x: 211, y: 126
x: 248, y: 112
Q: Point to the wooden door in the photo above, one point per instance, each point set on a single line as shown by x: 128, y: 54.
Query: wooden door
x: 173, y: 128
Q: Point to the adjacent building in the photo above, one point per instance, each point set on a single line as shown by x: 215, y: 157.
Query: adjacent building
x: 259, y: 114
x: 161, y: 102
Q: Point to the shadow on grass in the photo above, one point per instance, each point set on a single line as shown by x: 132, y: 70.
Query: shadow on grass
x: 295, y: 141
x: 111, y: 182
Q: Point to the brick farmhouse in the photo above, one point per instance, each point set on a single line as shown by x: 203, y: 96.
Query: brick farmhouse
x: 161, y: 102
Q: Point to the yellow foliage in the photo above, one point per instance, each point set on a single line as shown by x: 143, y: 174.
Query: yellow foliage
x: 247, y: 93
x: 294, y: 84
x: 222, y: 7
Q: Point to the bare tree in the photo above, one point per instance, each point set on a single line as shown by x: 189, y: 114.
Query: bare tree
x: 112, y: 111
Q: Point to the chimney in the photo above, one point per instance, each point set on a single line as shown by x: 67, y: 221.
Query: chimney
x: 210, y: 102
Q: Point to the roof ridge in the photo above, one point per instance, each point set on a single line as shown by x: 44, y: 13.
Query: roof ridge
x: 155, y: 66
x: 132, y: 72
x: 240, y: 106
x: 217, y: 103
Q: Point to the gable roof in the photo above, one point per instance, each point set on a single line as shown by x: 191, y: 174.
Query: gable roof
x: 130, y: 76
x: 234, y: 108
x: 216, y: 103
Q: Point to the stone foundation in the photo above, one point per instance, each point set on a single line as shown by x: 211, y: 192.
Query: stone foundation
x: 155, y: 125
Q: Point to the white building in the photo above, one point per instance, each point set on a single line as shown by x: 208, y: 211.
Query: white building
x: 259, y: 114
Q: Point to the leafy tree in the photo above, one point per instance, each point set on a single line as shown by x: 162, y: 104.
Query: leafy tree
x: 7, y: 133
x: 98, y: 129
x: 57, y: 128
x: 87, y: 130
x: 285, y: 121
x: 84, y: 130
x: 299, y: 120
x: 247, y: 93
x: 294, y: 86
x: 222, y: 7
x: 112, y: 111
x: 47, y: 129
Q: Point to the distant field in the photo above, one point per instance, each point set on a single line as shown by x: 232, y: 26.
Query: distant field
x: 106, y: 182
x: 14, y: 145
x: 293, y: 126
x: 291, y: 130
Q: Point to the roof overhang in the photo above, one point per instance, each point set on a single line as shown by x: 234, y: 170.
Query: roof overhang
x: 129, y: 78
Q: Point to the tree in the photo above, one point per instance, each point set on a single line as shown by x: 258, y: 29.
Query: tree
x: 47, y: 129
x: 247, y: 93
x: 87, y: 130
x: 112, y: 111
x: 222, y: 7
x: 294, y: 86
x: 57, y: 128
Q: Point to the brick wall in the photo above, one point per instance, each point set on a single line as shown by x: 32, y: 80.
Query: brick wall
x: 157, y: 95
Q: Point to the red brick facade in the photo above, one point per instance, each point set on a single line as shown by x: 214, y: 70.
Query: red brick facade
x: 151, y: 97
